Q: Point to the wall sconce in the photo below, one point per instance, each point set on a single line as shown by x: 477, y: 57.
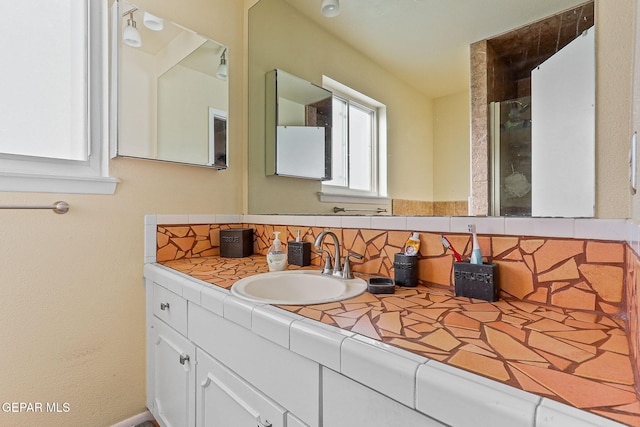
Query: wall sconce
x: 221, y: 72
x: 130, y: 34
x: 152, y: 22
x: 330, y: 8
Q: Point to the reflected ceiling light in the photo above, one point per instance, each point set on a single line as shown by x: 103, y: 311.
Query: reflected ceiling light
x: 330, y: 8
x: 221, y: 72
x: 152, y: 22
x: 131, y: 35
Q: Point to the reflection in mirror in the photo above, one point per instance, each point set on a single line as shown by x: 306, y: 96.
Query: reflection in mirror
x: 172, y: 91
x: 297, y: 127
x: 412, y: 56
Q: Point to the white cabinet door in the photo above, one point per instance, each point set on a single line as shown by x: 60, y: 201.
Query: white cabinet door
x: 172, y: 385
x: 287, y: 378
x: 346, y: 403
x: 225, y: 400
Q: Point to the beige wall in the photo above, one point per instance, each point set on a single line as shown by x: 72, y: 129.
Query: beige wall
x: 298, y: 46
x: 451, y: 128
x: 72, y: 318
x: 614, y: 60
x: 635, y: 204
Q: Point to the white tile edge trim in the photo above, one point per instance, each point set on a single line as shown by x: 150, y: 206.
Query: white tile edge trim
x: 135, y: 420
x: 618, y: 229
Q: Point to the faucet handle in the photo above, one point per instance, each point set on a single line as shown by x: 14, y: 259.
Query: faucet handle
x: 327, y: 261
x: 346, y: 273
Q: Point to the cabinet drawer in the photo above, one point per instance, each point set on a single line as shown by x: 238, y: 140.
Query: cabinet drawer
x: 170, y: 308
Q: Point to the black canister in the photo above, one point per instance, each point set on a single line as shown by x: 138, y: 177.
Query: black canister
x: 405, y: 270
x: 299, y: 253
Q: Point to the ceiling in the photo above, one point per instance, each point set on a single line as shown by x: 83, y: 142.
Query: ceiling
x: 426, y: 42
x: 205, y: 57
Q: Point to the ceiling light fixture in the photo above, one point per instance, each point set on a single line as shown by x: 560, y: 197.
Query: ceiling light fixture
x: 330, y: 8
x: 131, y: 35
x: 152, y: 22
x: 221, y: 72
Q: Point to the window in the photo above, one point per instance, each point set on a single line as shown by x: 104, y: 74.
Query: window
x: 358, y: 144
x: 53, y: 121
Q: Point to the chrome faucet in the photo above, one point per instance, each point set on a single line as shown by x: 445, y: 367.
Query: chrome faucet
x: 336, y: 270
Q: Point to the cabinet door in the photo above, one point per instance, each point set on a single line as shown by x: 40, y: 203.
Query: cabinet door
x: 172, y: 385
x: 225, y: 400
x: 286, y: 377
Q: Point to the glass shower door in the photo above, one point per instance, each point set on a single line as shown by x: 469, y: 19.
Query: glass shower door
x: 511, y: 152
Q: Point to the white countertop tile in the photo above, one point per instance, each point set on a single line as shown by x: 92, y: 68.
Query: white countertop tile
x: 273, y: 324
x: 213, y: 300
x: 460, y: 398
x: 238, y: 311
x: 382, y: 370
x: 318, y: 342
x: 554, y: 414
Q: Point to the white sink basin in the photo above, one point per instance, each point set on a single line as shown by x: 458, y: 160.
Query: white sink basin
x: 297, y: 287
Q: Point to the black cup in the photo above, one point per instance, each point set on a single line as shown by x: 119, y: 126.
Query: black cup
x: 405, y: 270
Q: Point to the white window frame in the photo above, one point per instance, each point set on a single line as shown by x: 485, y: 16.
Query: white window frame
x: 41, y: 174
x: 332, y: 193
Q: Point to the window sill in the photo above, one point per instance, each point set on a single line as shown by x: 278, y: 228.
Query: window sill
x: 20, y: 182
x: 352, y: 198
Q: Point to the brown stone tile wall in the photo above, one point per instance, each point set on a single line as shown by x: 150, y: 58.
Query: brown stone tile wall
x: 420, y: 208
x: 567, y: 273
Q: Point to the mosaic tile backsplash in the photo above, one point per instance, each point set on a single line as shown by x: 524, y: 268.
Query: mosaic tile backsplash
x: 567, y: 273
x: 560, y: 330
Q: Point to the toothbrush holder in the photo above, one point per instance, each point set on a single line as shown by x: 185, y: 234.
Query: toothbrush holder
x: 479, y: 281
x: 405, y: 270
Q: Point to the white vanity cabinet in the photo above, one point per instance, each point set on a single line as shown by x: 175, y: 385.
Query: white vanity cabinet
x: 204, y: 370
x: 171, y: 382
x: 219, y: 361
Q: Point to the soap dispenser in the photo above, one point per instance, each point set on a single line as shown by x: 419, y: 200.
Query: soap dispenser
x: 276, y: 255
x: 299, y: 252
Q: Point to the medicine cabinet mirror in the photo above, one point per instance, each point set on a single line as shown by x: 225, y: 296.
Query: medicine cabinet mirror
x: 169, y: 91
x: 298, y: 127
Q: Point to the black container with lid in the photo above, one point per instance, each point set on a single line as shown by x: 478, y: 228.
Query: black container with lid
x: 405, y: 270
x: 236, y: 242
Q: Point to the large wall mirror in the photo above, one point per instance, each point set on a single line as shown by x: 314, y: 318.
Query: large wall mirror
x: 413, y: 57
x: 171, y: 90
x: 297, y: 128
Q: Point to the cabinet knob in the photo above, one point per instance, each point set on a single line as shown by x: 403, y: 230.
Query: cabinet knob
x: 266, y: 423
x: 184, y: 358
x: 164, y: 306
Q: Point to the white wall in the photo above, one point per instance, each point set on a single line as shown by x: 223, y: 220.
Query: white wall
x: 184, y: 98
x: 138, y: 91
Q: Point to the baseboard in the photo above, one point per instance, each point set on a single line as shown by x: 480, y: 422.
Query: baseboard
x: 135, y: 420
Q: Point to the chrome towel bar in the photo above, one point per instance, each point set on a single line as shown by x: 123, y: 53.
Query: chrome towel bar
x: 57, y: 207
x: 337, y: 209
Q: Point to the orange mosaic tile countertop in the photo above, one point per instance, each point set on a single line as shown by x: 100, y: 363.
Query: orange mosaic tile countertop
x: 572, y: 356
